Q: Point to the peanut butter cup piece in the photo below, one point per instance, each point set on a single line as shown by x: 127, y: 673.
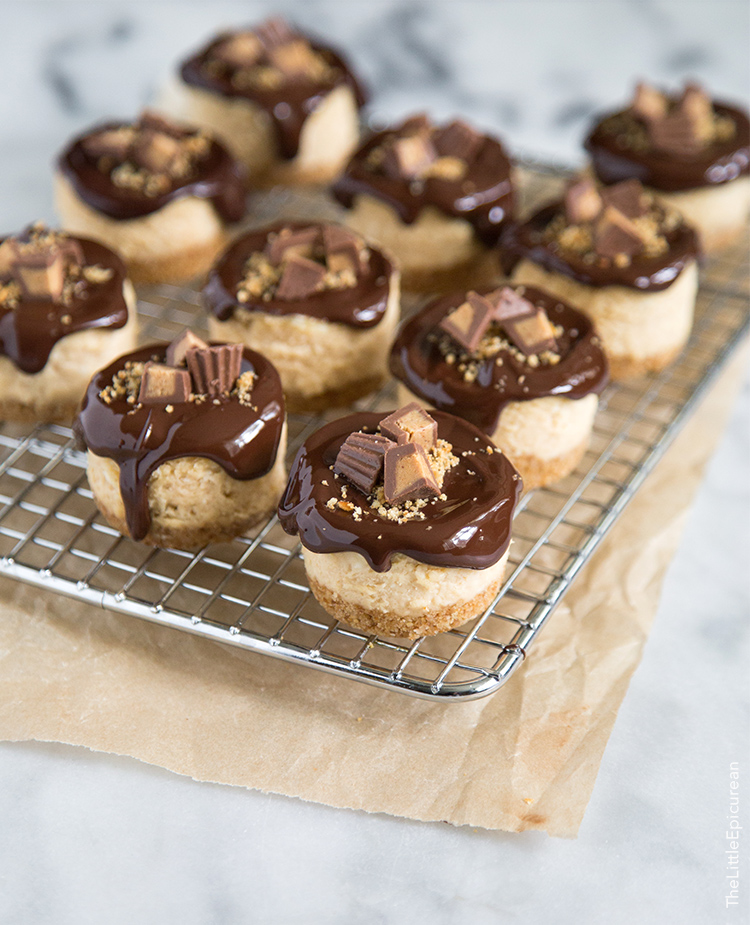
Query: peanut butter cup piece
x: 343, y: 249
x: 301, y: 277
x: 649, y: 104
x: 468, y: 323
x: 240, y: 50
x: 274, y: 32
x: 675, y: 134
x: 156, y: 151
x: 409, y: 157
x: 163, y: 385
x: 299, y: 242
x: 411, y: 424
x: 627, y: 197
x: 407, y: 475
x: 360, y: 459
x: 508, y: 304
x: 177, y: 350
x: 615, y: 234
x: 214, y: 370
x: 582, y: 202
x: 533, y: 334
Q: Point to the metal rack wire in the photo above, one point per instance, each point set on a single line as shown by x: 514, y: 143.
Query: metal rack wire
x: 252, y: 592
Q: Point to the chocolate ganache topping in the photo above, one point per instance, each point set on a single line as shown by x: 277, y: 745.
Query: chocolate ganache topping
x: 127, y: 170
x: 476, y: 385
x: 52, y: 285
x: 279, y: 69
x: 671, y: 142
x: 321, y: 270
x: 607, y: 236
x: 467, y: 526
x: 454, y: 168
x: 239, y: 429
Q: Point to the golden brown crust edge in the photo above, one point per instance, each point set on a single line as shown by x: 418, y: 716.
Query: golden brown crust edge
x: 389, y: 623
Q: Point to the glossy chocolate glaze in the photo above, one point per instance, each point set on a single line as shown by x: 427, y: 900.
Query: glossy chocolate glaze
x: 471, y: 529
x: 417, y: 362
x: 288, y: 105
x: 484, y: 197
x: 717, y: 163
x: 30, y: 331
x: 647, y: 274
x: 241, y: 439
x: 218, y: 178
x: 361, y: 306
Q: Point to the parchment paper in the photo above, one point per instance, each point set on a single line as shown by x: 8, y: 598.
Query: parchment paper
x: 525, y: 758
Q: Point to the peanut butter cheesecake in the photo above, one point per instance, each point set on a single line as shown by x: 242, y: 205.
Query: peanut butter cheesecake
x: 66, y: 308
x: 164, y: 196
x: 317, y: 300
x: 522, y: 366
x: 404, y: 519
x: 694, y: 153
x: 435, y: 196
x: 286, y: 105
x: 185, y: 442
x: 621, y: 256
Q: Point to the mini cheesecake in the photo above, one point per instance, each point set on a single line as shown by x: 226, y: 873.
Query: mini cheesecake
x: 404, y: 520
x: 437, y: 197
x: 162, y: 195
x: 317, y: 300
x: 185, y: 441
x: 517, y: 363
x: 621, y: 256
x: 692, y: 152
x: 284, y: 104
x: 66, y: 308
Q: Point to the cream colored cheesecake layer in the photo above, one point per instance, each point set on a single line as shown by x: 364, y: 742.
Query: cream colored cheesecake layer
x: 315, y: 357
x: 433, y: 241
x: 633, y: 326
x: 54, y: 393
x: 718, y: 213
x: 175, y: 243
x: 329, y: 135
x: 192, y: 501
x: 409, y: 588
x: 542, y: 427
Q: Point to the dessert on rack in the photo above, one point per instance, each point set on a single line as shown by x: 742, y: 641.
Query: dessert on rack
x: 185, y: 441
x: 285, y: 104
x: 164, y: 196
x: 692, y: 151
x: 66, y: 308
x: 317, y: 300
x: 622, y: 257
x: 436, y: 196
x: 404, y: 519
x: 519, y: 364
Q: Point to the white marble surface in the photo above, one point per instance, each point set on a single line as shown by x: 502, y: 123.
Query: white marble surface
x: 88, y: 838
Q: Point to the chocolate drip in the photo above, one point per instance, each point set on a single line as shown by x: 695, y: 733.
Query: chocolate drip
x: 417, y: 361
x: 470, y: 529
x: 359, y: 306
x: 288, y: 105
x: 243, y: 440
x: 484, y: 196
x: 218, y: 178
x: 647, y: 274
x: 717, y: 163
x: 30, y: 331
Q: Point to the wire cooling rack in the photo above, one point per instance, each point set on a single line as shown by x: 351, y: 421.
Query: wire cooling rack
x: 252, y: 592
